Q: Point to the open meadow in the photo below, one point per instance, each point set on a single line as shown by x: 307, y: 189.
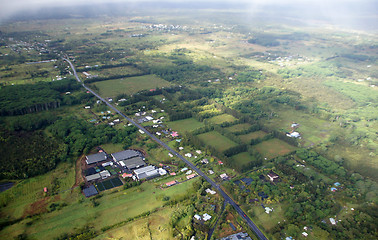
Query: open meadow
x: 273, y: 148
x: 216, y: 140
x: 185, y: 125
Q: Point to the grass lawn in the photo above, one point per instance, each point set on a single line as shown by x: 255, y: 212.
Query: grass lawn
x: 217, y: 140
x: 112, y: 148
x: 243, y: 158
x: 238, y: 127
x: 185, y: 125
x: 268, y: 221
x: 114, y: 206
x: 273, y: 148
x: 131, y: 85
x: 155, y: 226
x: 253, y: 135
x: 222, y: 118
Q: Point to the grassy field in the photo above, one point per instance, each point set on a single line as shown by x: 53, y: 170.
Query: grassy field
x: 222, y: 118
x: 154, y: 226
x: 238, y: 127
x: 112, y: 148
x: 217, y: 140
x: 253, y: 135
x: 268, y: 221
x: 114, y: 207
x: 243, y: 158
x: 131, y: 85
x: 273, y: 148
x: 115, y: 71
x: 185, y: 125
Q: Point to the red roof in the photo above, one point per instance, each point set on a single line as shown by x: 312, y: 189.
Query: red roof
x: 172, y: 174
x: 191, y: 176
x: 220, y: 162
x: 171, y: 183
x: 126, y: 175
x: 45, y: 189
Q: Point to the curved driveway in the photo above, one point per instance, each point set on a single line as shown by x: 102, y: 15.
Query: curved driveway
x: 227, y: 198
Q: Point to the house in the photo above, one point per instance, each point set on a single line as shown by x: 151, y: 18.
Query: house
x: 162, y: 171
x: 205, y: 161
x: 237, y: 236
x: 190, y: 176
x: 174, y: 134
x: 332, y: 220
x: 198, y: 217
x: 210, y: 191
x: 268, y: 210
x: 133, y: 163
x: 95, y: 158
x: 149, y: 118
x: 125, y: 175
x: 93, y: 177
x: 171, y: 183
x: 188, y: 155
x: 220, y: 162
x: 189, y: 172
x: 184, y: 169
x: 305, y: 234
x: 172, y: 174
x: 211, y: 172
x: 124, y: 155
x: 105, y: 174
x: 45, y: 189
x: 181, y: 148
x: 198, y: 151
x: 337, y: 184
x: 148, y: 172
x: 224, y: 176
x: 206, y: 217
x: 170, y: 154
x: 273, y: 177
x: 141, y: 131
x: 87, y: 107
x: 333, y: 189
x: 293, y: 134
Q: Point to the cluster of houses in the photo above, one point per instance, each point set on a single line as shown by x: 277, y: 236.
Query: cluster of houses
x: 130, y: 162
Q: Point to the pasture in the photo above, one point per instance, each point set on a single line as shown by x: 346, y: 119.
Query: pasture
x: 216, y: 140
x: 246, y: 138
x: 239, y: 127
x: 155, y: 226
x: 131, y: 85
x: 222, y: 118
x: 185, y: 125
x: 114, y: 206
x: 273, y: 148
x: 243, y: 158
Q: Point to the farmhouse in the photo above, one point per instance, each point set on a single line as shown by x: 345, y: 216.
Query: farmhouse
x: 171, y: 183
x: 206, y: 217
x: 148, y: 172
x: 273, y: 177
x: 95, y: 158
x: 210, y: 191
x: 124, y: 155
x: 133, y: 163
x: 105, y: 174
x: 190, y: 176
x: 224, y: 176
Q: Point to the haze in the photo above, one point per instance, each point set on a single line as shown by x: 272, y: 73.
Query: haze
x: 351, y: 14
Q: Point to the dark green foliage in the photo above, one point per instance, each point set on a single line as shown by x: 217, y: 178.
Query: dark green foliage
x: 28, y: 154
x: 249, y: 76
x: 29, y: 98
x: 32, y: 122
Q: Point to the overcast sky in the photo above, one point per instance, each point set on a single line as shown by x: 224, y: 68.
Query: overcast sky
x: 332, y: 10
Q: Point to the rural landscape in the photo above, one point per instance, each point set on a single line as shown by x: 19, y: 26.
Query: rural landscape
x: 162, y: 120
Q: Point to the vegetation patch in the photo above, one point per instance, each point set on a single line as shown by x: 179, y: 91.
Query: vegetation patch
x: 246, y: 138
x: 274, y: 148
x: 216, y: 140
x: 239, y: 127
x: 222, y: 118
x: 131, y: 85
x: 185, y: 125
x: 243, y: 158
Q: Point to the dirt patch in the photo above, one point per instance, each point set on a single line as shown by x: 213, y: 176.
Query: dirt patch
x: 80, y: 164
x: 37, y: 207
x: 226, y: 231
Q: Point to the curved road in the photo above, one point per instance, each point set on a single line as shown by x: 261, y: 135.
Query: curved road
x: 227, y: 198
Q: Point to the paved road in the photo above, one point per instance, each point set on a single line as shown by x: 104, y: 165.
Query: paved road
x: 227, y: 198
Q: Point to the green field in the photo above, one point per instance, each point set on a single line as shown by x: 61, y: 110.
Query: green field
x: 238, y: 127
x: 185, y: 125
x: 274, y: 148
x: 114, y: 207
x: 243, y: 158
x: 155, y: 226
x: 217, y: 140
x: 131, y: 85
x: 125, y: 70
x: 253, y: 135
x: 222, y: 118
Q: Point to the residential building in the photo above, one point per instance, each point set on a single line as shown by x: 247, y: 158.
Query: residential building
x: 124, y: 155
x: 95, y: 158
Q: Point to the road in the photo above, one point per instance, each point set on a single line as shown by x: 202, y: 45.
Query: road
x: 227, y: 198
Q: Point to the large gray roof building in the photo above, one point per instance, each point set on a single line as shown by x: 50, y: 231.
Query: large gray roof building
x: 135, y: 162
x: 147, y: 172
x: 93, y: 177
x: 95, y: 158
x: 124, y: 155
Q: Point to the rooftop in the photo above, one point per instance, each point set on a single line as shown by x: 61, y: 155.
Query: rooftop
x: 94, y: 158
x: 134, y: 162
x: 127, y: 154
